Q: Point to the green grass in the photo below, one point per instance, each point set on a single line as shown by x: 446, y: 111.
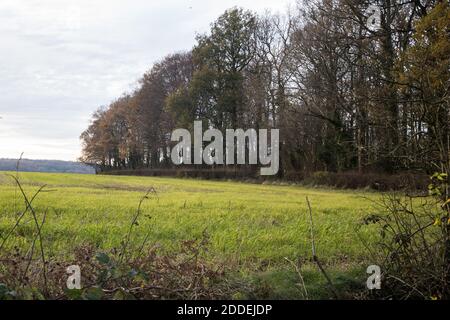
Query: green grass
x: 253, y: 226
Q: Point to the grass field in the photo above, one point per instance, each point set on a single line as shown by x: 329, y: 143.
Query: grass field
x: 254, y: 227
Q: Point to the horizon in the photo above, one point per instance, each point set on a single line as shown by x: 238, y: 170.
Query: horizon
x: 28, y: 159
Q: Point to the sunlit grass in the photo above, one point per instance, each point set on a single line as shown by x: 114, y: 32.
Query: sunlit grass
x: 249, y: 224
x: 260, y: 221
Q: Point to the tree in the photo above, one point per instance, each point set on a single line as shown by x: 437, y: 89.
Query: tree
x: 221, y: 59
x: 424, y: 75
x: 344, y: 96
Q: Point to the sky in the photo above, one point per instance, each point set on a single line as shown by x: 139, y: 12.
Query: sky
x: 62, y: 60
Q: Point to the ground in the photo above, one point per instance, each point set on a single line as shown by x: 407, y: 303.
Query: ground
x: 253, y: 228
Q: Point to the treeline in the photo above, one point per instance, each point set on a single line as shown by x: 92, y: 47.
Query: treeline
x: 345, y: 93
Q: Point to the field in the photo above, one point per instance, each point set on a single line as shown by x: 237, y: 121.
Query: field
x: 252, y: 228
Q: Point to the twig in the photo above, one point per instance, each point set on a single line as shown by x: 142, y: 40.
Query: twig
x: 297, y: 269
x: 134, y: 222
x: 315, y: 257
x: 20, y: 218
x: 312, y: 228
x: 17, y: 176
x: 31, y: 254
x: 408, y: 285
x: 41, y: 245
x: 141, y: 248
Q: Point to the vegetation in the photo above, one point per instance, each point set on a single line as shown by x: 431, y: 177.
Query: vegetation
x: 413, y: 243
x: 344, y: 96
x: 356, y: 108
x: 252, y: 228
x: 417, y: 250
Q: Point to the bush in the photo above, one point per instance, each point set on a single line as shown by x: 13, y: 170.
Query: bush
x: 413, y: 245
x: 375, y: 181
x: 148, y: 275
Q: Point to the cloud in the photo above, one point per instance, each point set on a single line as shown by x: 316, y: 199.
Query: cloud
x: 61, y: 60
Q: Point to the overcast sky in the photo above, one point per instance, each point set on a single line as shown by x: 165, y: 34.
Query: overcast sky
x: 61, y: 60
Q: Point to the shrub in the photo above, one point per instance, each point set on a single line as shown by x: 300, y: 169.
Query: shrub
x: 375, y: 181
x: 149, y: 275
x: 413, y: 245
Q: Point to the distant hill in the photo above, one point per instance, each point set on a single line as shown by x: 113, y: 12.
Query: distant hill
x: 50, y: 166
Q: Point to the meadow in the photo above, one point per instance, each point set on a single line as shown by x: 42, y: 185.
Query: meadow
x: 259, y: 230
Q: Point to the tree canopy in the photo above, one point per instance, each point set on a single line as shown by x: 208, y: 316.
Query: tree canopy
x: 345, y: 96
